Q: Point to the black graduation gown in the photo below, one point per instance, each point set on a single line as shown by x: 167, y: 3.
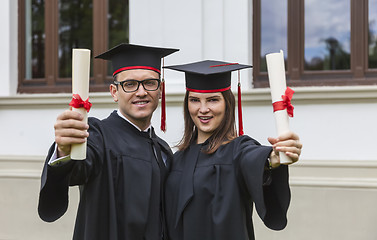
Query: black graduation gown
x: 211, y: 196
x: 119, y: 184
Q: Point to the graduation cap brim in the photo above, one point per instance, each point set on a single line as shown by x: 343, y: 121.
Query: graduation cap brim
x: 130, y: 56
x: 208, y: 75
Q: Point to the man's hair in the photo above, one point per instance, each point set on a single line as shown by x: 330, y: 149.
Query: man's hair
x: 224, y: 133
x: 115, y: 79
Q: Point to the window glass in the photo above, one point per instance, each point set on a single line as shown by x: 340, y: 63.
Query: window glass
x: 34, y: 39
x: 75, y: 31
x: 372, y: 37
x: 273, y: 29
x: 118, y: 25
x: 327, y: 35
x: 51, y: 29
x: 118, y: 22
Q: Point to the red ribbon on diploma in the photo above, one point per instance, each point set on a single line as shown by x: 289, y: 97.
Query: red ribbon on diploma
x: 286, y: 103
x: 77, y: 102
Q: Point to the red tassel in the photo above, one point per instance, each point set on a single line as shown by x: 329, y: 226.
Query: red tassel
x: 240, y: 124
x: 163, y: 107
x: 163, y: 104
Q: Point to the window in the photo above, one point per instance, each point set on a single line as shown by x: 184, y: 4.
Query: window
x: 325, y: 42
x: 49, y: 29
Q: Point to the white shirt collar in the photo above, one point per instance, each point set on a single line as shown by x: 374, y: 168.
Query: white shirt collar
x: 122, y: 116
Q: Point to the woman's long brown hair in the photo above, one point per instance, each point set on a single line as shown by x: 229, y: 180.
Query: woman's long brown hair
x: 223, y: 134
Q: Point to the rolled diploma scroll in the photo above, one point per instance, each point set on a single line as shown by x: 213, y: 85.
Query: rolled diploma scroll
x: 278, y: 85
x: 80, y: 85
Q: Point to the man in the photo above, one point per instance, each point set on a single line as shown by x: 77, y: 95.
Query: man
x: 121, y: 180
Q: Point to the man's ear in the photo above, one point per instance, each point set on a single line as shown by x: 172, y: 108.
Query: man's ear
x: 114, y: 92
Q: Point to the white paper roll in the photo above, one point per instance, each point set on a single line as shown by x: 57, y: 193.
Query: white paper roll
x: 80, y: 85
x: 278, y: 85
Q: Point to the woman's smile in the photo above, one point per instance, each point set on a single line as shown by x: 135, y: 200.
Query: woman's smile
x: 205, y: 119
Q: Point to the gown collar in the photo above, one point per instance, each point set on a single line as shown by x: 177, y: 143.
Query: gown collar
x: 125, y: 118
x: 123, y: 122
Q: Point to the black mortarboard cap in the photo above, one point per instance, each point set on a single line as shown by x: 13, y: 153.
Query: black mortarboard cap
x: 208, y: 75
x: 130, y: 56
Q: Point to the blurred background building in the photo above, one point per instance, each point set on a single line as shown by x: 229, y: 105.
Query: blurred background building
x: 330, y: 50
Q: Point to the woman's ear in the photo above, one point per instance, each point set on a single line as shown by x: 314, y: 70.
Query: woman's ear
x: 114, y: 92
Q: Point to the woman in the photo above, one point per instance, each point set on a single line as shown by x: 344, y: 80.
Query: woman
x: 216, y: 176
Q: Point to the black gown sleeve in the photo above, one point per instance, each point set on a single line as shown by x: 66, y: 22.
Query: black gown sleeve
x: 271, y: 200
x: 53, y: 195
x: 55, y: 181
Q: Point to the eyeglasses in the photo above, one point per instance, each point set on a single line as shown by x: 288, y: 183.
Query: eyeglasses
x: 133, y: 85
